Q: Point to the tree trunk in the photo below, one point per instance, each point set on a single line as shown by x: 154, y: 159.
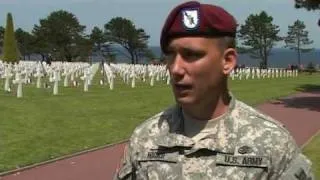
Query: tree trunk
x: 299, y: 57
x: 68, y: 56
x: 42, y: 55
x: 137, y: 57
x: 132, y: 57
x: 299, y: 54
x: 265, y: 58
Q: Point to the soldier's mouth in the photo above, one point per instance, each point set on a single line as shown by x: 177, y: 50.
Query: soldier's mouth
x: 183, y: 87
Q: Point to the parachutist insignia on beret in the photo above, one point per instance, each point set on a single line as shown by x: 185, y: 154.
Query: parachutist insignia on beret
x: 190, y: 18
x: 195, y: 19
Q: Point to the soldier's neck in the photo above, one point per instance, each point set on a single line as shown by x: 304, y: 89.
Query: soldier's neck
x: 210, y: 109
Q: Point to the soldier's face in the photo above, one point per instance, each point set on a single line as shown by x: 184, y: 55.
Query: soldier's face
x: 197, y: 67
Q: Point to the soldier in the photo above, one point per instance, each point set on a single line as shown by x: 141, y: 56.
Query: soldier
x: 208, y: 134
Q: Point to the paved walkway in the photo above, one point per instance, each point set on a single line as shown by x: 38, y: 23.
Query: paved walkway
x: 300, y: 113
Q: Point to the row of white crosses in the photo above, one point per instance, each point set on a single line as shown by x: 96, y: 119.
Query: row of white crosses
x: 127, y: 72
x: 110, y: 73
x: 72, y: 70
x: 38, y: 70
x: 7, y: 71
x: 252, y: 73
x: 89, y: 73
x: 130, y: 73
x: 18, y: 70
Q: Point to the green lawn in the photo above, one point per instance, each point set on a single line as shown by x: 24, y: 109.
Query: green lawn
x: 41, y: 126
x: 312, y: 150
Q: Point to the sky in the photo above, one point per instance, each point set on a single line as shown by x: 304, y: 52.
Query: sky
x: 151, y: 14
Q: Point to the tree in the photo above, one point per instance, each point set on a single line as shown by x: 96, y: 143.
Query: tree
x: 109, y: 52
x: 123, y: 32
x: 1, y: 35
x: 40, y: 43
x: 83, y: 49
x: 149, y: 55
x: 311, y: 68
x: 297, y: 38
x: 2, y: 32
x: 10, y: 49
x: 25, y: 42
x: 259, y: 35
x: 97, y: 37
x: 141, y: 42
x: 240, y: 49
x: 62, y: 32
x: 307, y: 4
x: 1, y: 38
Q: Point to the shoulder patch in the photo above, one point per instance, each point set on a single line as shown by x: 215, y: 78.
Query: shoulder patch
x: 298, y: 169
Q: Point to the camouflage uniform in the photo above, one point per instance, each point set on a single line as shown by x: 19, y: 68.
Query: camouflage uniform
x: 244, y: 144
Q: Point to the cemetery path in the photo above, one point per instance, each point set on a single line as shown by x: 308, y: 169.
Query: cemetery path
x: 299, y: 113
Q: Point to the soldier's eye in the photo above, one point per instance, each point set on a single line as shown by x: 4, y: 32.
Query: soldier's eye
x: 170, y: 55
x: 191, y: 55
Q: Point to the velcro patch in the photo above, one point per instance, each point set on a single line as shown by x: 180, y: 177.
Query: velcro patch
x: 298, y: 169
x: 242, y: 160
x: 159, y: 155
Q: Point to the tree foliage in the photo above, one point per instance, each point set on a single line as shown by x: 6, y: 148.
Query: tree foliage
x: 259, y: 35
x: 25, y: 42
x: 59, y: 34
x: 307, y: 4
x: 83, y: 49
x: 149, y: 54
x: 1, y: 38
x: 97, y: 37
x: 40, y: 44
x: 1, y: 35
x: 98, y: 40
x: 141, y: 43
x: 123, y: 32
x: 297, y: 38
x: 10, y: 49
x: 310, y: 68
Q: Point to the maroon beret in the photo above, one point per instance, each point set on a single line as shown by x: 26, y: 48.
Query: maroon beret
x: 195, y: 19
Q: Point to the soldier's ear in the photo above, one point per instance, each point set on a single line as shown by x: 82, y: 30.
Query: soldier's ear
x: 229, y: 60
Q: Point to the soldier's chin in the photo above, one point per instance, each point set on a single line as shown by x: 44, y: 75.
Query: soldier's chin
x: 185, y: 100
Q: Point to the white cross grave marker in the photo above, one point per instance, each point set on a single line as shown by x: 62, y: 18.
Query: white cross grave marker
x: 85, y: 78
x: 38, y: 75
x: 18, y: 80
x: 56, y: 80
x: 133, y: 77
x: 7, y: 75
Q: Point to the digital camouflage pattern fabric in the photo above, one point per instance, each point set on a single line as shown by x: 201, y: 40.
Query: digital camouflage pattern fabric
x: 244, y: 144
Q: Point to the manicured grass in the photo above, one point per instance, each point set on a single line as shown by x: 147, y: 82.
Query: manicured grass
x: 256, y: 91
x: 41, y: 126
x: 312, y: 151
